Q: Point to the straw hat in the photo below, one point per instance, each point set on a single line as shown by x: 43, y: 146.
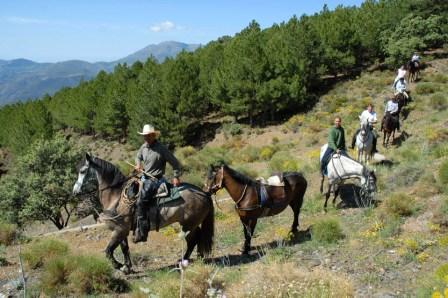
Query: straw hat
x: 148, y: 129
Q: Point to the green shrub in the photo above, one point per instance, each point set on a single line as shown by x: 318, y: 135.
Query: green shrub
x: 327, y: 230
x: 8, y: 233
x: 247, y: 171
x: 91, y: 275
x: 294, y: 123
x: 443, y: 173
x: 426, y: 88
x: 391, y: 227
x: 442, y: 271
x: 400, y: 204
x: 78, y: 275
x: 185, y: 152
x: 266, y: 152
x: 440, y: 78
x: 249, y: 154
x: 194, y: 178
x: 55, y: 278
x: 282, y: 161
x: 38, y: 253
x: 438, y: 101
x: 233, y: 129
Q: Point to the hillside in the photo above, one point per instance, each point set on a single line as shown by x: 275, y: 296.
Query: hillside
x: 393, y: 249
x: 22, y: 79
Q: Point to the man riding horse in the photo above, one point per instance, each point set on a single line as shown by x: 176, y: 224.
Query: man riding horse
x: 393, y: 110
x: 415, y: 60
x: 151, y: 159
x: 400, y: 86
x: 367, y: 116
x: 336, y: 143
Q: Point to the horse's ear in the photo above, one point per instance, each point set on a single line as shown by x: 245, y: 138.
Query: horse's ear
x: 88, y: 156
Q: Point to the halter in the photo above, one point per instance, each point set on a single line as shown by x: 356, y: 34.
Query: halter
x: 219, y: 186
x: 214, y: 188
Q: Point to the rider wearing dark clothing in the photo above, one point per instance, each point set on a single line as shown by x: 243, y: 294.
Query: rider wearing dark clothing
x: 336, y: 143
x: 151, y: 159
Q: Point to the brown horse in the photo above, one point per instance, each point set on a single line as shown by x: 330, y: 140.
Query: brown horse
x: 194, y: 210
x: 413, y: 71
x: 249, y: 205
x: 389, y: 125
x: 401, y: 100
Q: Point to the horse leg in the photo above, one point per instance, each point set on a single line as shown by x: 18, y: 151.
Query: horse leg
x: 322, y: 184
x: 111, y: 246
x: 296, y: 204
x: 192, y: 239
x: 249, y: 228
x: 336, y: 193
x: 327, y: 196
x: 127, y: 257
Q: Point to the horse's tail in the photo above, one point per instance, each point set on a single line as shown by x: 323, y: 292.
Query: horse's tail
x: 207, y: 231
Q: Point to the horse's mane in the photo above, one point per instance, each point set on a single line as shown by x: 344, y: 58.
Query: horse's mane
x: 110, y: 173
x: 238, y: 176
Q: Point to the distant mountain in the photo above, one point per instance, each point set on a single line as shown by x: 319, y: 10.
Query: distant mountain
x: 159, y: 51
x: 22, y: 79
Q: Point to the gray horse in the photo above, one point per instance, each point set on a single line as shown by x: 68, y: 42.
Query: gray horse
x: 194, y: 210
x: 364, y: 143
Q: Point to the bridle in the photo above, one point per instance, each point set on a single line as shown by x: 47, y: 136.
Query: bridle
x: 213, y: 189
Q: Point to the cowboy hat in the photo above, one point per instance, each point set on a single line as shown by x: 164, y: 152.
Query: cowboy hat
x: 148, y: 129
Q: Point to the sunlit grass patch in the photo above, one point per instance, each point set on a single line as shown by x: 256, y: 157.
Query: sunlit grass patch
x: 38, y: 253
x: 400, y: 204
x: 280, y: 279
x: 327, y: 230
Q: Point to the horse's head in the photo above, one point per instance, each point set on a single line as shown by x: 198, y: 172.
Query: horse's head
x: 364, y: 129
x: 371, y: 181
x: 87, y: 180
x: 215, y: 176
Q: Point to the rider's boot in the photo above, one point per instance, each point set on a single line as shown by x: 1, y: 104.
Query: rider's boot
x: 142, y: 230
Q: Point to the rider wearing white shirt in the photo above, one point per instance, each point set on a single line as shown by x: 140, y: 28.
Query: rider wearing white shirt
x: 400, y: 87
x: 367, y: 116
x: 415, y: 58
x: 392, y: 108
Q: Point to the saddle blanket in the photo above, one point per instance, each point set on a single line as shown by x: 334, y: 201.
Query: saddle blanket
x: 273, y: 181
x: 270, y: 196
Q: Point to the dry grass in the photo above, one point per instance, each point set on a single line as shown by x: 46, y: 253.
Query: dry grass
x: 289, y: 280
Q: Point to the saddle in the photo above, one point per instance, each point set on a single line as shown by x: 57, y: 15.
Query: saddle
x: 271, y: 192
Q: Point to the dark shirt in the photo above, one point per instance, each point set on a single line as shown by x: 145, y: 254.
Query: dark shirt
x: 336, y: 138
x: 154, y: 157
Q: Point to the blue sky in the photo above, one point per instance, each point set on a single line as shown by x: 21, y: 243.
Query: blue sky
x: 105, y: 30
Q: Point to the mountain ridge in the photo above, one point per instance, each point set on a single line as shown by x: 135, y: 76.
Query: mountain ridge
x: 22, y: 79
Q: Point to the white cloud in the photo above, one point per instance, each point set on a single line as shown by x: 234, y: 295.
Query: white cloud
x: 22, y: 20
x: 163, y: 26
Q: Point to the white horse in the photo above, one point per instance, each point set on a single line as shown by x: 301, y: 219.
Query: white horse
x: 364, y: 143
x: 341, y: 168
